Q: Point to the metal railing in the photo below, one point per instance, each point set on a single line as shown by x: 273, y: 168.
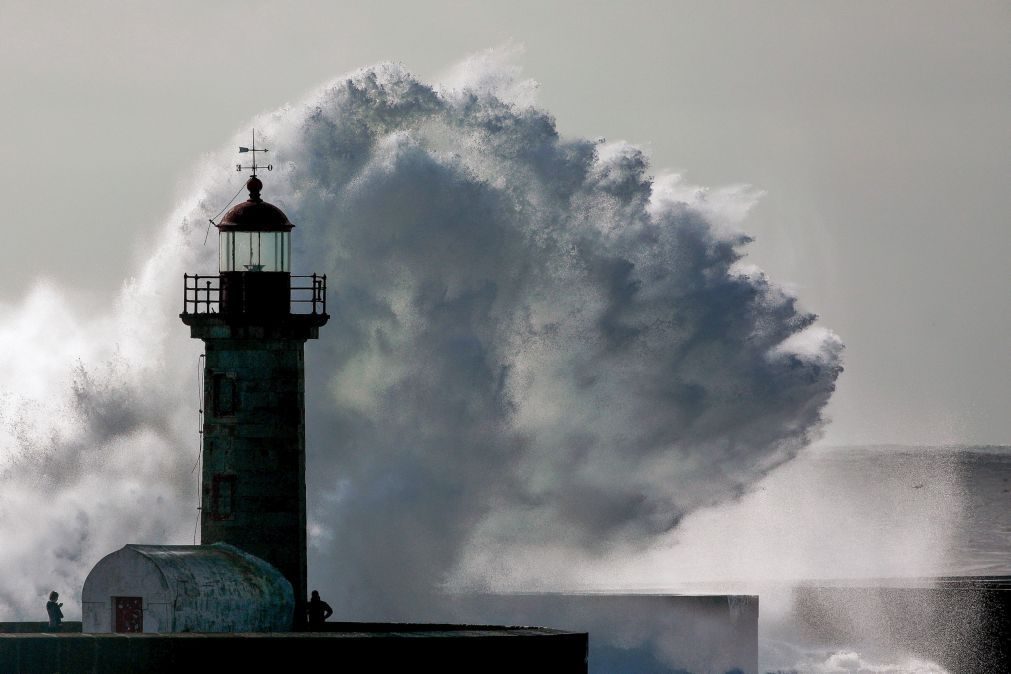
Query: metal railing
x: 202, y: 294
x: 201, y: 299
x: 313, y: 294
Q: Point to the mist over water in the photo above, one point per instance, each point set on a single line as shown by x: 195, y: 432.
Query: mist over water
x: 843, y: 545
x: 542, y: 354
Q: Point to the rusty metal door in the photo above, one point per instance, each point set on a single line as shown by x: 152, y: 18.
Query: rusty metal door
x: 129, y: 614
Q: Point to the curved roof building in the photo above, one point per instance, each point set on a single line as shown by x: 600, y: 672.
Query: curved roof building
x: 185, y: 588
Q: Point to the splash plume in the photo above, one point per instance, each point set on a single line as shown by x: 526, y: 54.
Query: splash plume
x: 536, y: 348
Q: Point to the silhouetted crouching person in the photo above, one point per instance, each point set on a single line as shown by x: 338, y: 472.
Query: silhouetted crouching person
x: 55, y: 612
x: 318, y: 611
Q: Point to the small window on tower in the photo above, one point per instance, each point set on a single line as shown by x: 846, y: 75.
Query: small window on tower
x: 222, y: 496
x: 225, y: 395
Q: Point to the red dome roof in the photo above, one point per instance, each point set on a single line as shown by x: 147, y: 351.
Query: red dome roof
x: 255, y: 214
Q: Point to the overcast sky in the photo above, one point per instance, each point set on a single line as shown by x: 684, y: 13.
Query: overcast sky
x: 878, y: 130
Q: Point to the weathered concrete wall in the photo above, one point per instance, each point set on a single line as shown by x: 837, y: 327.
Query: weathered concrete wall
x: 452, y: 649
x: 636, y: 632
x: 187, y: 588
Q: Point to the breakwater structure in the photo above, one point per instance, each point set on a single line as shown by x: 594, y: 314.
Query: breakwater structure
x: 962, y: 623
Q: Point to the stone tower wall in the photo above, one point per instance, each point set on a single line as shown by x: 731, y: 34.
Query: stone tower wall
x: 253, y: 482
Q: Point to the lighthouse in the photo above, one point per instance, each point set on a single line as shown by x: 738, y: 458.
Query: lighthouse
x: 254, y: 318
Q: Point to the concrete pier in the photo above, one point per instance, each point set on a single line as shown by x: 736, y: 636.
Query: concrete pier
x: 382, y: 647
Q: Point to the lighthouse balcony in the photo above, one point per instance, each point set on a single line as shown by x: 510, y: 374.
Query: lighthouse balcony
x: 254, y: 304
x: 254, y: 293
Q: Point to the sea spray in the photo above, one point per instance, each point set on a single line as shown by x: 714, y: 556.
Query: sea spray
x: 536, y: 348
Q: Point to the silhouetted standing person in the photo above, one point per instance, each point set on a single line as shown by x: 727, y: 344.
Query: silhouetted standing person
x: 55, y: 612
x: 318, y: 611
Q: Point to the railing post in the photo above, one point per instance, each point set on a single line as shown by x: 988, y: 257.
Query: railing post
x: 315, y: 292
x: 324, y: 293
x: 207, y: 298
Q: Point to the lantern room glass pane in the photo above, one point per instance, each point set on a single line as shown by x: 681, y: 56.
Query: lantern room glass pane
x: 254, y: 251
x: 224, y: 251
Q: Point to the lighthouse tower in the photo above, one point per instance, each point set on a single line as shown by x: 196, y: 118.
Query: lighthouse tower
x: 254, y: 318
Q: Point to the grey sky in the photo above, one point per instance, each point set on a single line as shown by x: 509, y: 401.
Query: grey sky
x: 878, y: 130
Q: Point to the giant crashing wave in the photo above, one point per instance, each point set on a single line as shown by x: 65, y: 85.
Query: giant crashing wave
x: 537, y: 351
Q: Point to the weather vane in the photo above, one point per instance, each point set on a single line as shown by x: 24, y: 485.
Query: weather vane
x: 239, y: 167
x: 254, y: 150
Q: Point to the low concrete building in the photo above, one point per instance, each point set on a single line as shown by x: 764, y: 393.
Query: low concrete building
x: 186, y: 588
